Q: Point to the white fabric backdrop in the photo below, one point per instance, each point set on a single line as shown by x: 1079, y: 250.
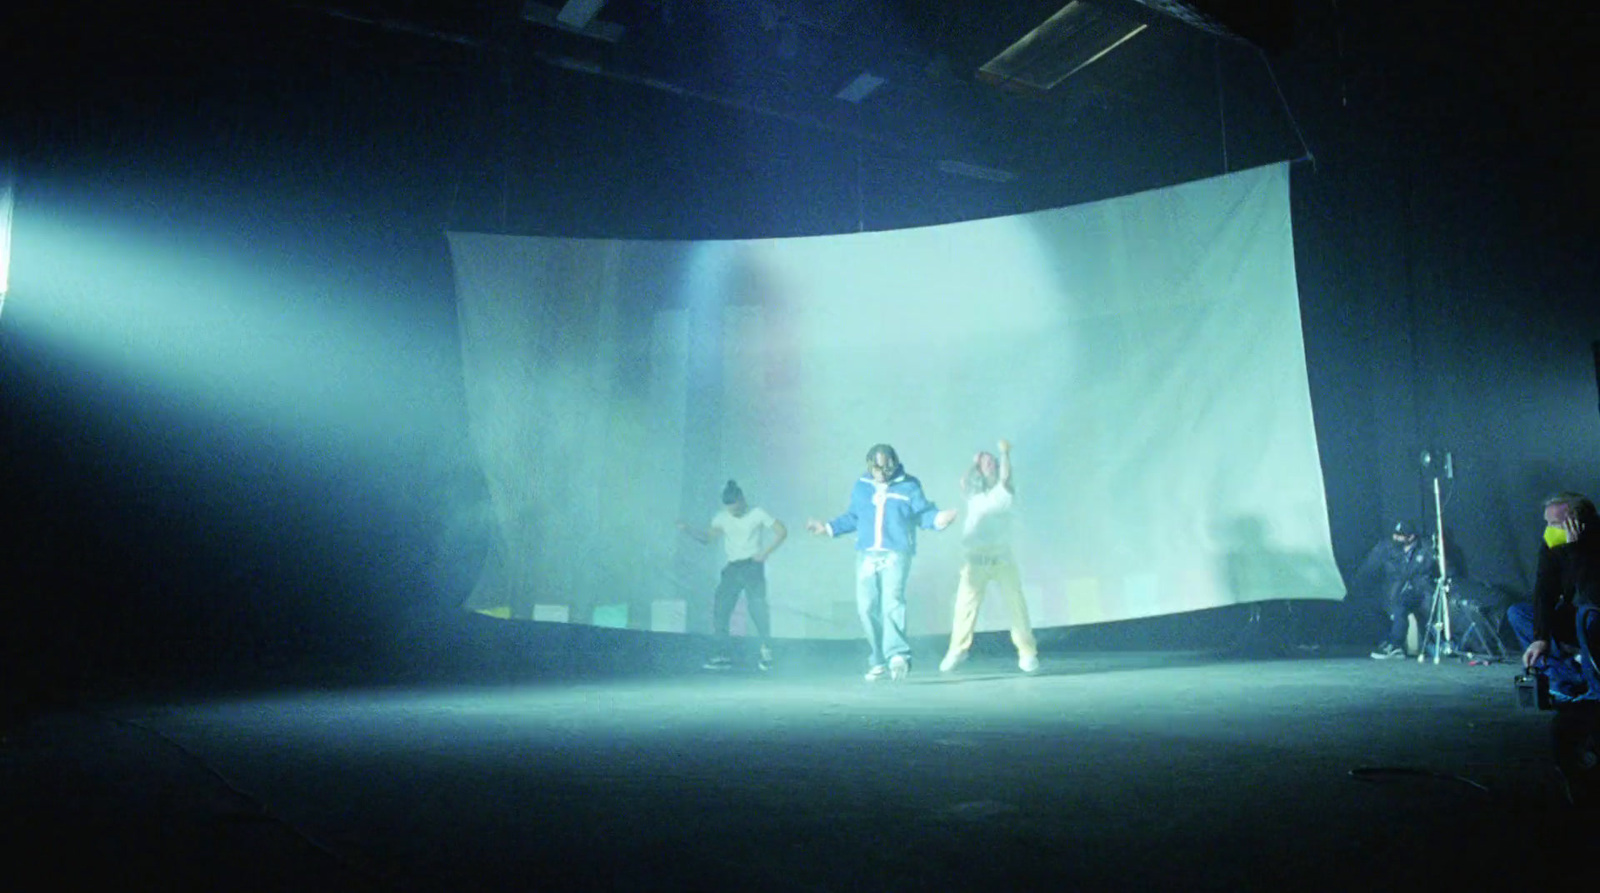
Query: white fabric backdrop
x: 1143, y: 354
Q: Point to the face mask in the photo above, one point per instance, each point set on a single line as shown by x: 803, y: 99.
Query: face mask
x: 1555, y: 536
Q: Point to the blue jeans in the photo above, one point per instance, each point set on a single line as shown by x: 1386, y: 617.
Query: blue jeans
x: 1582, y: 624
x: 881, y: 602
x: 1588, y: 637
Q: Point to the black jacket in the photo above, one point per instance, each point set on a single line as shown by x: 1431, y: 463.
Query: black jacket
x: 1407, y: 572
x: 1568, y: 573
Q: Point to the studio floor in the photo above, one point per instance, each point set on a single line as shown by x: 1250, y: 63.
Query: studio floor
x: 1126, y: 771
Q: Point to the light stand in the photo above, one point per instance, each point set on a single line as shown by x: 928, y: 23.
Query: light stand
x: 1437, y: 628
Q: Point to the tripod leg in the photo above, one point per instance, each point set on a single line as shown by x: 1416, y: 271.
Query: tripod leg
x: 1429, y: 629
x: 1438, y: 622
x: 1444, y: 603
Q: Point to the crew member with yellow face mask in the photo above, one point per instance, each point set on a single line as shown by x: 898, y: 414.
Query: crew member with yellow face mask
x: 1560, y: 627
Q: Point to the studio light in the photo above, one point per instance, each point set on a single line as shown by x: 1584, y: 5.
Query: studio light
x: 8, y: 192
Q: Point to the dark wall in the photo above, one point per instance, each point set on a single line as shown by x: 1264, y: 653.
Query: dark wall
x: 154, y: 534
x: 1442, y: 234
x: 1446, y: 275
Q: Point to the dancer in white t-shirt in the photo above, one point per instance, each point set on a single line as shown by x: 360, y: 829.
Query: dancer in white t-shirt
x: 986, y: 542
x: 749, y: 535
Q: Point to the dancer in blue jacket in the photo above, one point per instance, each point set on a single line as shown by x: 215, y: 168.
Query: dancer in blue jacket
x: 886, y: 508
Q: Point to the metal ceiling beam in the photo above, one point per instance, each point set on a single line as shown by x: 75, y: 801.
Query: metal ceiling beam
x: 1075, y: 37
x: 1262, y: 23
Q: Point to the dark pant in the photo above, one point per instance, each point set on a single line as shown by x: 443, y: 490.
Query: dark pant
x: 1567, y: 625
x: 1403, y: 604
x: 748, y: 576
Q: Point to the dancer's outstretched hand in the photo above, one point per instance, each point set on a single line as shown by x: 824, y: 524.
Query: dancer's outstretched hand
x: 817, y: 527
x: 943, y: 519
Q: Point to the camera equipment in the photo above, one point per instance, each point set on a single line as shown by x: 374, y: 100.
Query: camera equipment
x: 1481, y: 641
x: 1574, y: 738
x: 1533, y: 691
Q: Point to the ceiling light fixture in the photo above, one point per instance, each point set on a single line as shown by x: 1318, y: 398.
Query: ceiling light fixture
x: 864, y: 85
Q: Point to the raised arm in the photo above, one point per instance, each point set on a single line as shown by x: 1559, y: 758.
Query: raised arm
x: 1005, y: 465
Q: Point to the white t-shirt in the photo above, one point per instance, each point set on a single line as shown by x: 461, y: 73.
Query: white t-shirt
x: 988, y: 521
x: 741, y: 536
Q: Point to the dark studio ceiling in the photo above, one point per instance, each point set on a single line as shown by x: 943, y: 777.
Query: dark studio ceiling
x: 923, y: 78
x: 1145, y: 92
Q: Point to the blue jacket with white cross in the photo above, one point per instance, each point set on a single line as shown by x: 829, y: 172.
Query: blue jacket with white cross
x: 885, y: 517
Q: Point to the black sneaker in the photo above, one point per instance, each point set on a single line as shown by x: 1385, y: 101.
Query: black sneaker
x: 1387, y: 651
x: 764, y: 662
x: 717, y: 662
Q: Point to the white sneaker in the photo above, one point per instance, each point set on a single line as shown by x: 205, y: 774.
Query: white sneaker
x: 1028, y: 663
x: 876, y: 673
x: 952, y: 660
x: 899, y: 667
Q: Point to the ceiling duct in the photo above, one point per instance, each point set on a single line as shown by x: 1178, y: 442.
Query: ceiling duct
x: 865, y: 84
x: 577, y: 14
x: 1077, y: 36
x: 576, y: 17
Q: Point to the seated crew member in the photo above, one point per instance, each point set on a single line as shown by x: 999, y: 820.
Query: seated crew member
x: 1405, y: 571
x: 1559, y: 627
